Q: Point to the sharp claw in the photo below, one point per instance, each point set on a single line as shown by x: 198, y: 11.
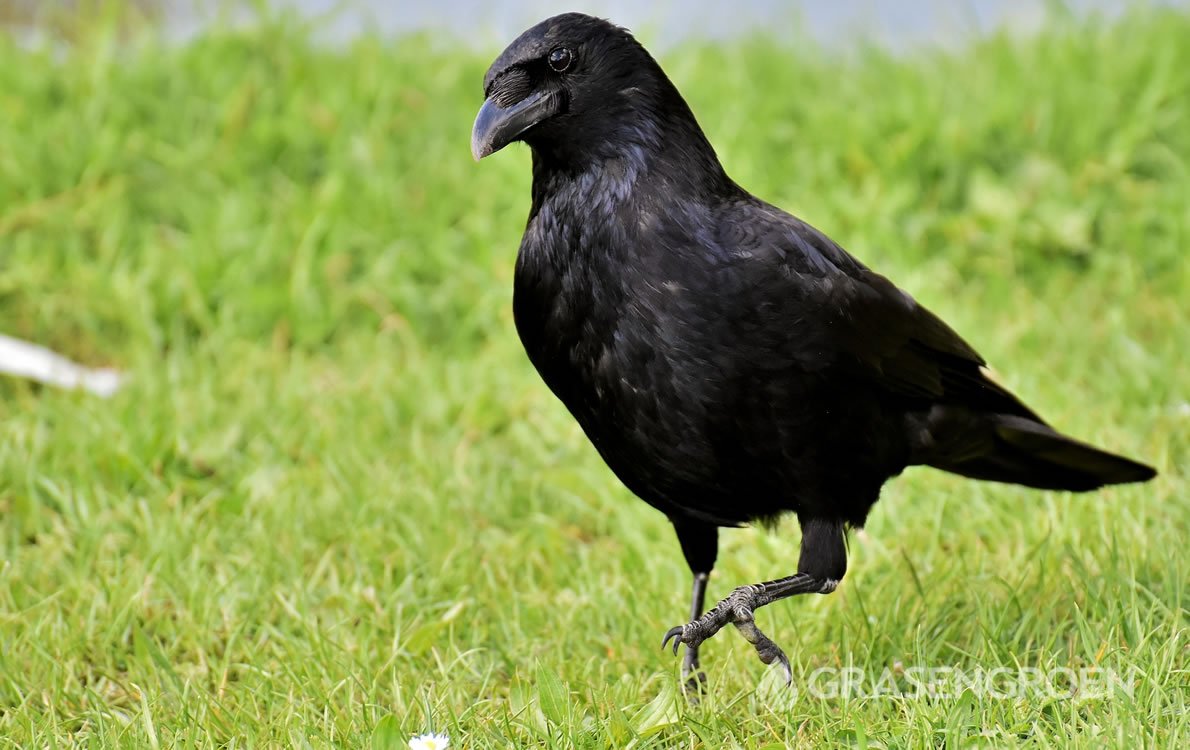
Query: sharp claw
x: 674, y: 632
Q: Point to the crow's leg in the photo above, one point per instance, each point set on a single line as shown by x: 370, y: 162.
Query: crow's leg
x: 821, y: 566
x: 738, y: 609
x: 697, y: 599
x: 700, y: 545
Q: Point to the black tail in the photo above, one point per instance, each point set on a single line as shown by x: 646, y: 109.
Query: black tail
x: 1030, y: 453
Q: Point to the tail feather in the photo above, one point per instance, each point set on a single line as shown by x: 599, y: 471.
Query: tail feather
x: 1026, y: 452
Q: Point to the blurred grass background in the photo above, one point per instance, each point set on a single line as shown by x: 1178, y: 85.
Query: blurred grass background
x: 335, y: 506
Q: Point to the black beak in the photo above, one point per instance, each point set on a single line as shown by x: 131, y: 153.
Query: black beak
x: 496, y: 126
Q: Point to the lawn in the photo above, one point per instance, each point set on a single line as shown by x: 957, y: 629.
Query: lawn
x: 335, y: 507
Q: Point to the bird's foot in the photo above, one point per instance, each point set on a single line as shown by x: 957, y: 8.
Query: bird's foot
x: 737, y: 609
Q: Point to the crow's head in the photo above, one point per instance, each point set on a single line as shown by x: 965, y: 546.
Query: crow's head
x: 574, y: 85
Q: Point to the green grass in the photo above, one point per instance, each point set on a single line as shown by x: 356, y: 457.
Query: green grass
x: 335, y: 507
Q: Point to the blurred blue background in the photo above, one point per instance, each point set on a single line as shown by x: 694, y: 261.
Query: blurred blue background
x: 894, y: 24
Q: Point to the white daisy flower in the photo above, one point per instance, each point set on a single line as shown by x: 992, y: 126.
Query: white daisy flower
x: 429, y: 742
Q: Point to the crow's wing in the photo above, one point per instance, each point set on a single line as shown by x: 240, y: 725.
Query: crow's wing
x: 909, y: 350
x: 869, y: 328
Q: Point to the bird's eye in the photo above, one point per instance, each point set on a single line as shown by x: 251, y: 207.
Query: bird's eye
x: 560, y: 58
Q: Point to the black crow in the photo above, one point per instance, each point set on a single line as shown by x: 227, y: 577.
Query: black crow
x: 730, y: 362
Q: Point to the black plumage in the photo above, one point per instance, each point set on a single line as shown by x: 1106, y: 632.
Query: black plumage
x: 729, y: 362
